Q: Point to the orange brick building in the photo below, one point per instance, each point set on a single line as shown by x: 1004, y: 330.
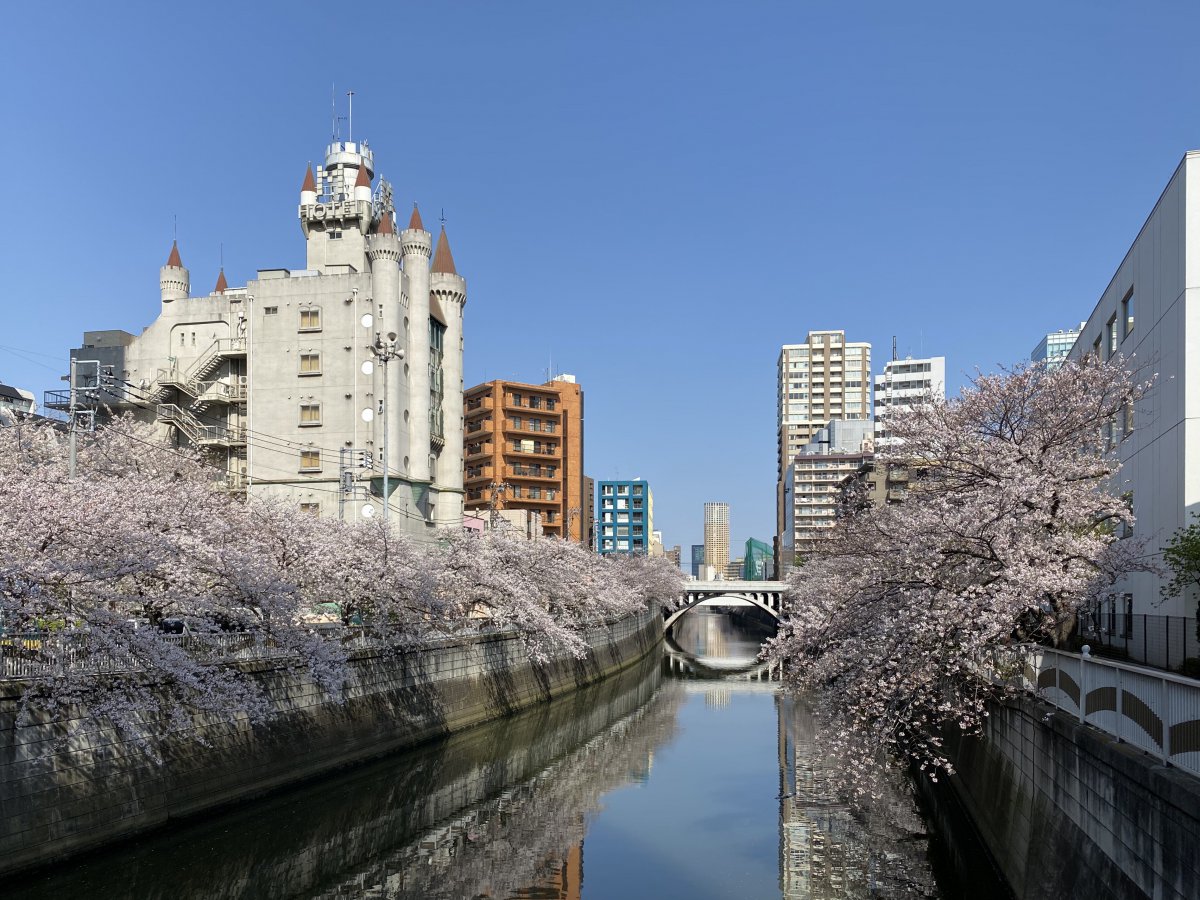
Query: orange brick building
x: 528, y: 437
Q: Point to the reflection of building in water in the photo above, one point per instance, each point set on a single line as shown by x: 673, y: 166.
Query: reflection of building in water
x: 527, y: 840
x: 717, y: 697
x: 828, y: 851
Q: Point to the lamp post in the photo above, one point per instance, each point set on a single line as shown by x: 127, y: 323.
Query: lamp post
x: 385, y: 351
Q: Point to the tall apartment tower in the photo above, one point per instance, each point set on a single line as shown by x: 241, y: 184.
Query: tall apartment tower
x: 823, y: 379
x: 278, y: 381
x: 523, y: 449
x: 903, y: 383
x: 716, y: 535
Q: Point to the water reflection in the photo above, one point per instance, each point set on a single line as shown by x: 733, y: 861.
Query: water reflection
x: 497, y: 811
x: 689, y: 775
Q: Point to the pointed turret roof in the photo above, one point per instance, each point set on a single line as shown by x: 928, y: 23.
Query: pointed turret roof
x: 222, y: 284
x: 384, y: 225
x: 310, y: 183
x: 443, y: 261
x: 415, y: 223
x: 173, y: 259
x: 363, y: 179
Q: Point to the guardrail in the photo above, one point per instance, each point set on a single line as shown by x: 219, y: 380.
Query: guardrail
x: 1156, y: 711
x: 1163, y: 642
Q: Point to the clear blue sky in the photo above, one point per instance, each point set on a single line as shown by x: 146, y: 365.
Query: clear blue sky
x: 653, y: 195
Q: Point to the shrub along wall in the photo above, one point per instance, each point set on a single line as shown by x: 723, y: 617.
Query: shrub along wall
x: 55, y: 804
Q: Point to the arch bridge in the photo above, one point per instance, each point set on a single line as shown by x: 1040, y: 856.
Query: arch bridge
x: 766, y: 595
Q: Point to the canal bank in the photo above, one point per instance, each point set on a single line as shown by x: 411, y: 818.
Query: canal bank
x: 56, y: 804
x: 1065, y: 810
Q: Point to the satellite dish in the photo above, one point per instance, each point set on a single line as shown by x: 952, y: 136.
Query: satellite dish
x: 367, y: 321
x: 368, y: 414
x: 391, y: 335
x: 368, y: 511
x: 368, y: 367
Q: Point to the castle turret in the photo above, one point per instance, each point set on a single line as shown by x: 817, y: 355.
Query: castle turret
x: 362, y: 185
x: 335, y: 209
x: 383, y: 250
x: 450, y: 291
x: 174, y: 282
x: 222, y: 284
x: 417, y: 244
x: 308, y: 197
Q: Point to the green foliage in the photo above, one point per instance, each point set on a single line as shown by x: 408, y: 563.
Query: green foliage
x: 1182, y: 556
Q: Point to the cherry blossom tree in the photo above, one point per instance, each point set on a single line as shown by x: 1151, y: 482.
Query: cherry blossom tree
x: 97, y: 567
x: 1010, y: 528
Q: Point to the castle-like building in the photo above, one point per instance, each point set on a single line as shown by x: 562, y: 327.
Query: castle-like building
x: 286, y: 383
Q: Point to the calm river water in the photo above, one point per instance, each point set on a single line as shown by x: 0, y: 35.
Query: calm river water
x: 689, y: 775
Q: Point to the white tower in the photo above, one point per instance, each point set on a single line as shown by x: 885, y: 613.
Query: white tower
x: 450, y: 290
x: 335, y: 208
x: 417, y: 245
x: 390, y: 310
x: 174, y: 282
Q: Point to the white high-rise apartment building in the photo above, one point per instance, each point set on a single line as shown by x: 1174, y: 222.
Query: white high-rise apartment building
x: 905, y: 382
x: 716, y: 536
x: 821, y: 380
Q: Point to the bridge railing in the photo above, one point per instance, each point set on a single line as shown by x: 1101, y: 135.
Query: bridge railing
x: 1156, y: 711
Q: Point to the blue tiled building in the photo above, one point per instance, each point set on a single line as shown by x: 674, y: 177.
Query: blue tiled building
x: 625, y: 513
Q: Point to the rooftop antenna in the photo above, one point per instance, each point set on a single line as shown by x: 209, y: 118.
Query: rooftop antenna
x: 175, y: 228
x: 443, y: 218
x: 894, y: 357
x: 350, y: 120
x: 222, y: 255
x: 333, y: 116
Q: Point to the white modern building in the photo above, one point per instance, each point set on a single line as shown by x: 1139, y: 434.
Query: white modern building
x: 310, y: 383
x: 1056, y: 346
x: 823, y: 379
x: 1150, y: 314
x: 812, y: 483
x: 906, y: 382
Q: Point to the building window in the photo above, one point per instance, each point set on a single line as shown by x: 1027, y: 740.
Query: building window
x: 311, y: 508
x: 182, y: 338
x: 335, y: 235
x: 516, y: 399
x: 1127, y: 313
x: 310, y: 319
x: 310, y: 363
x: 310, y: 460
x: 310, y: 414
x: 1111, y: 349
x: 270, y: 310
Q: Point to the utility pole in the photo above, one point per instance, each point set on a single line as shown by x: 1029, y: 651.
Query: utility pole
x: 349, y: 460
x: 385, y: 351
x: 496, y: 492
x: 71, y: 415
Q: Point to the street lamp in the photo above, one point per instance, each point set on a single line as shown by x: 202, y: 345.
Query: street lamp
x: 385, y: 351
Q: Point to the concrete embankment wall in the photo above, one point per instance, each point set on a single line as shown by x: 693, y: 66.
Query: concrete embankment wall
x: 1067, y: 811
x: 53, y: 804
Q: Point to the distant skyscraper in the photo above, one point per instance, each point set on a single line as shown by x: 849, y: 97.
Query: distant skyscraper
x: 697, y: 559
x: 1054, y: 347
x: 716, y: 535
x: 903, y: 383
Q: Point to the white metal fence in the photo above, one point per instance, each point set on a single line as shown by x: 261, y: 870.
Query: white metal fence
x: 1154, y: 710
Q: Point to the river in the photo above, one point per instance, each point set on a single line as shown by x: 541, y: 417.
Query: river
x: 688, y: 775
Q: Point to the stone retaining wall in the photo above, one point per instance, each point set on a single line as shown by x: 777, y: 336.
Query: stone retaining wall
x: 1067, y: 811
x: 54, y: 805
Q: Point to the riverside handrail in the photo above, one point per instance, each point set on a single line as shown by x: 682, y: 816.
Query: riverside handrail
x: 1156, y: 711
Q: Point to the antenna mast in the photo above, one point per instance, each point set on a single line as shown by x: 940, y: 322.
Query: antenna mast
x: 350, y: 119
x: 894, y: 357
